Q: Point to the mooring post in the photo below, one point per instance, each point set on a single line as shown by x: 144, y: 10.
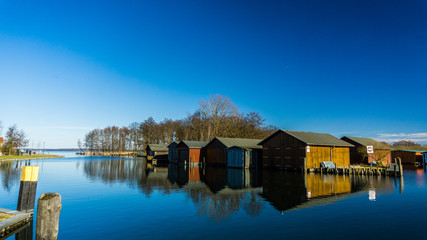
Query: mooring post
x: 48, y: 210
x: 27, y: 189
x: 399, y: 162
x: 395, y: 167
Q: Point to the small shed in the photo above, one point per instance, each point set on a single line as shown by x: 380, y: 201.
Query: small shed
x: 173, y: 152
x: 158, y: 151
x: 244, y: 157
x: 382, y: 151
x: 408, y: 156
x: 303, y: 150
x: 189, y: 152
x: 216, y: 151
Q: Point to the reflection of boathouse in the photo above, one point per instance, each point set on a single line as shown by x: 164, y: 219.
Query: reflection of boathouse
x: 287, y: 191
x: 183, y: 175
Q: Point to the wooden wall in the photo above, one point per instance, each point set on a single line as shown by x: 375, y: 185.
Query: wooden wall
x: 183, y: 153
x: 215, y: 153
x: 283, y: 150
x: 317, y: 154
x: 195, y: 155
x: 189, y: 155
x: 173, y: 152
x: 407, y: 157
x: 379, y: 153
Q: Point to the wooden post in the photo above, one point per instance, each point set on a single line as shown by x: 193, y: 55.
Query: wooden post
x: 27, y: 189
x: 399, y: 162
x: 48, y: 210
x: 305, y: 165
x: 395, y: 170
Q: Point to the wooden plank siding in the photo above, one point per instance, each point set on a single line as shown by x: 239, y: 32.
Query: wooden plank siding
x: 173, y: 152
x: 317, y: 154
x: 188, y: 153
x: 380, y: 150
x: 283, y: 150
x: 407, y: 157
x: 216, y: 153
x: 286, y: 151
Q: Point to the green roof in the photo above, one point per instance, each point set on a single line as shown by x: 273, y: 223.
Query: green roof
x: 158, y: 147
x: 368, y: 142
x: 194, y: 144
x: 315, y: 139
x: 240, y: 142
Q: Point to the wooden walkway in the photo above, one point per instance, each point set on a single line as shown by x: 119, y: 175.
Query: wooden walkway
x: 9, y: 226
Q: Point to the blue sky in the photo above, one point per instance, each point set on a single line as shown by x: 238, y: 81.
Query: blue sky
x: 341, y: 67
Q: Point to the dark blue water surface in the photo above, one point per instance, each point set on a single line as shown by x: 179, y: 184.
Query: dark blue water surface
x: 112, y: 198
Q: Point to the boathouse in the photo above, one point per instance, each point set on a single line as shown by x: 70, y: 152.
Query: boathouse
x: 303, y: 150
x: 408, y: 156
x: 173, y: 152
x: 358, y: 153
x: 216, y: 152
x: 158, y: 151
x: 189, y: 152
x: 244, y: 157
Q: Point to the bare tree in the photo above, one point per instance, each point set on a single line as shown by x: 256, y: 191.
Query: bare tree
x: 79, y: 144
x: 216, y: 109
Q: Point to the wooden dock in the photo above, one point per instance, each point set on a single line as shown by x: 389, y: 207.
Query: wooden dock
x: 11, y: 225
x: 394, y: 169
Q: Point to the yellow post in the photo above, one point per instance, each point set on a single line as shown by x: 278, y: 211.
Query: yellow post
x: 27, y: 189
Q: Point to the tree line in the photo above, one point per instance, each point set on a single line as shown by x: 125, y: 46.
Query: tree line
x: 216, y: 117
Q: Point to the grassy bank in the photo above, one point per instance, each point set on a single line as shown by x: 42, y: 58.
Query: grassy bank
x: 13, y: 158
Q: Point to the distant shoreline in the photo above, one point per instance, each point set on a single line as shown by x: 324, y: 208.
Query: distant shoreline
x: 32, y: 157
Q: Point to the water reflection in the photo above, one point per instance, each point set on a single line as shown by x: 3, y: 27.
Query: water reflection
x: 218, y: 193
x: 10, y: 172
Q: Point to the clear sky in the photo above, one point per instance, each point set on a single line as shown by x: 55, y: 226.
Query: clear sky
x: 349, y: 67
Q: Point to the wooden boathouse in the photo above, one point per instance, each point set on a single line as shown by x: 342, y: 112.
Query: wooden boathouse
x: 157, y: 151
x: 408, y: 156
x: 286, y: 149
x: 216, y: 152
x: 358, y: 153
x: 189, y: 152
x: 244, y: 157
x: 173, y: 152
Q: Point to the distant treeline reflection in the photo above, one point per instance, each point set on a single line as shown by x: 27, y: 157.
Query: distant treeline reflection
x: 10, y: 172
x: 220, y: 192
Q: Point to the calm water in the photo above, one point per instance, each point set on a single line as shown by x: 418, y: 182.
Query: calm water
x: 112, y: 198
